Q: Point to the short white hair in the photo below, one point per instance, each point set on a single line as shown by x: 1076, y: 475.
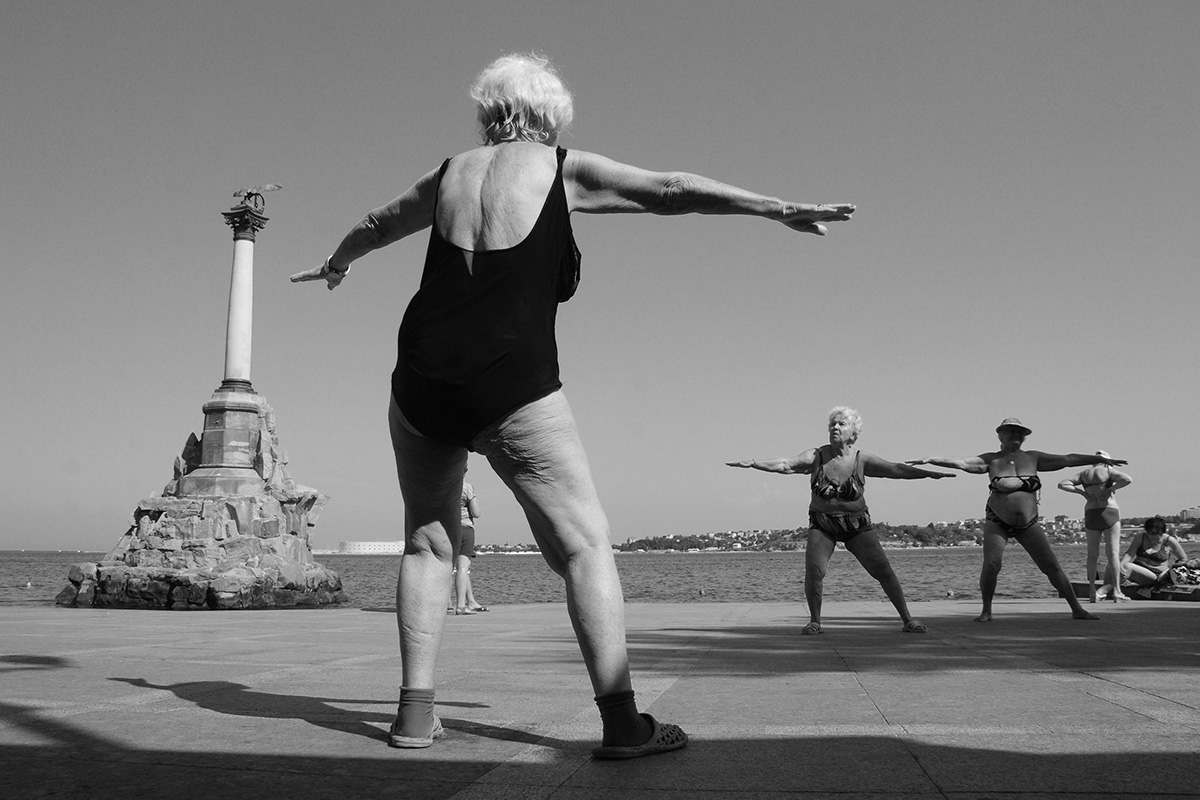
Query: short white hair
x: 521, y: 98
x: 850, y: 415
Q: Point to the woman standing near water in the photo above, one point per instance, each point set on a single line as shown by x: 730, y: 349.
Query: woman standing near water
x: 477, y: 370
x: 838, y: 510
x: 1101, y: 521
x: 1012, y: 508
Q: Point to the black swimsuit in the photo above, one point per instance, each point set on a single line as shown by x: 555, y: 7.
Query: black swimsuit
x: 477, y: 340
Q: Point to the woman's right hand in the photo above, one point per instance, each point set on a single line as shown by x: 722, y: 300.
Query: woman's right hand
x: 332, y: 277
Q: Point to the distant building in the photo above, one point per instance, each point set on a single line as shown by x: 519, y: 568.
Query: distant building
x: 1190, y: 513
x: 371, y: 548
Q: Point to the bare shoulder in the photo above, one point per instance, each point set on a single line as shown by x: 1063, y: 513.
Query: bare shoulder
x: 510, y: 163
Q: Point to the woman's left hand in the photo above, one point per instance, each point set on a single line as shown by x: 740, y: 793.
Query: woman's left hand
x: 332, y: 277
x: 807, y: 218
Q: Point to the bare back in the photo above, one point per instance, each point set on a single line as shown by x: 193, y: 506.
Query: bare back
x: 490, y: 197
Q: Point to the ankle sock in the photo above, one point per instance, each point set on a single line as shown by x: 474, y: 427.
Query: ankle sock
x: 415, y: 712
x: 618, y: 715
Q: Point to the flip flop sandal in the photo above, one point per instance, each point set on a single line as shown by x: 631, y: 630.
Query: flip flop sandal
x: 413, y: 742
x: 664, y: 738
x: 912, y: 626
x: 811, y: 628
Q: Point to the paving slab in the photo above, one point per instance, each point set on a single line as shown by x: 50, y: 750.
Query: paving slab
x: 121, y: 703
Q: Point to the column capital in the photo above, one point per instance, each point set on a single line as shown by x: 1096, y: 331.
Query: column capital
x: 245, y: 221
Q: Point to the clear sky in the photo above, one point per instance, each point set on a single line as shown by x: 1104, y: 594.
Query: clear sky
x: 1027, y: 176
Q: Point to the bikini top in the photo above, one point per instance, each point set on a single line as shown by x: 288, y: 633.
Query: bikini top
x: 1160, y: 555
x: 850, y: 489
x: 1017, y: 483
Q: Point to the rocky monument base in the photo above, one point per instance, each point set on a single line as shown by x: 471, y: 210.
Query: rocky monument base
x: 204, y: 549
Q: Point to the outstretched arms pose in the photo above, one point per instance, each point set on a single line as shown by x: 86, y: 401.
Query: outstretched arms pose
x: 1048, y: 462
x: 594, y: 185
x: 873, y: 466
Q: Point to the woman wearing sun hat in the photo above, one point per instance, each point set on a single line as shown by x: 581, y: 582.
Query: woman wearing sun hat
x: 1101, y: 522
x: 1012, y: 507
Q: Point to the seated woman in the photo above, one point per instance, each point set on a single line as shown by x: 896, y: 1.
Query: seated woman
x: 1151, y: 554
x: 838, y: 510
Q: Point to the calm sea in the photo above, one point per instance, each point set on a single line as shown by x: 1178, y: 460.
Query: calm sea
x: 35, y: 577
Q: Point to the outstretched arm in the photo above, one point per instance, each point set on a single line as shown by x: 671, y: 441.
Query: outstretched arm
x: 1052, y: 461
x: 599, y: 185
x: 407, y: 214
x: 976, y: 465
x: 876, y: 467
x: 802, y: 463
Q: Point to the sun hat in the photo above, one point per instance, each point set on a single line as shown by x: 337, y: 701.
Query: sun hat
x: 1013, y: 422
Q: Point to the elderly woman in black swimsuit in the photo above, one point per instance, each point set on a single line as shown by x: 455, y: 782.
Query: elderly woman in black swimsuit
x: 1151, y: 554
x: 838, y: 510
x: 477, y: 369
x: 1012, y: 507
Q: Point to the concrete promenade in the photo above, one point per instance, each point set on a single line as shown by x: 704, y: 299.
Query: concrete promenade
x: 138, y: 704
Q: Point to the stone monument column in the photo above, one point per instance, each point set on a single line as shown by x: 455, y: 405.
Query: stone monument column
x: 246, y: 221
x: 231, y: 437
x: 231, y: 529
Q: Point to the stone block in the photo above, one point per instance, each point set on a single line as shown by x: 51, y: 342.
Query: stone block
x: 67, y: 597
x: 201, y: 544
x: 78, y: 573
x: 146, y: 558
x: 87, y: 593
x: 292, y: 575
x: 241, y: 511
x: 229, y: 600
x: 234, y: 581
x: 242, y: 548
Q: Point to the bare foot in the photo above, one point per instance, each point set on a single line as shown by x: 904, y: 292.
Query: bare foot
x: 984, y: 617
x: 1081, y: 614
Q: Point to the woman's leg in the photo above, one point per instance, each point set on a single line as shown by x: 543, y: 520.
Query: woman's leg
x: 817, y: 552
x: 1112, y: 551
x: 1141, y: 575
x: 430, y: 475
x: 1035, y: 542
x: 1093, y: 554
x: 462, y: 583
x: 866, y: 548
x: 994, y: 542
x: 537, y: 452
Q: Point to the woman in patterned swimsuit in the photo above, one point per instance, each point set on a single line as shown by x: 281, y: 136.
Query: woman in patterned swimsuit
x: 477, y: 369
x: 838, y: 510
x: 1012, y: 507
